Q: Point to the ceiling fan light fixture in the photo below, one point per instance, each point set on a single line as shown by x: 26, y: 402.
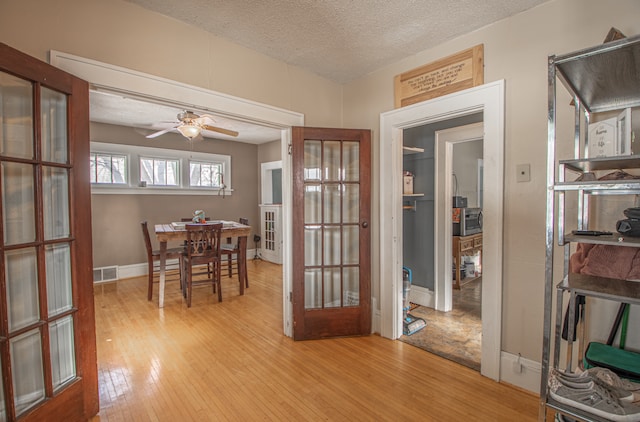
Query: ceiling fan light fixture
x: 189, y: 130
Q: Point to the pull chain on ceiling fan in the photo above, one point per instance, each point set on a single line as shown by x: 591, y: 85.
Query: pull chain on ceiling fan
x: 190, y: 125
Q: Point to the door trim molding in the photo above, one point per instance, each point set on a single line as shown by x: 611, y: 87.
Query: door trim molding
x: 488, y: 99
x: 443, y: 224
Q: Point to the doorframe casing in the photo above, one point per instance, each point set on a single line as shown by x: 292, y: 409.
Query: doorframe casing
x: 443, y: 222
x: 125, y: 81
x: 490, y: 100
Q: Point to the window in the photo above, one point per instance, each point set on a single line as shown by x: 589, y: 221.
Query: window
x: 139, y: 170
x: 205, y: 174
x: 159, y: 172
x: 108, y: 168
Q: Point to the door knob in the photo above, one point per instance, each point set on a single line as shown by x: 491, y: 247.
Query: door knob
x: 365, y: 224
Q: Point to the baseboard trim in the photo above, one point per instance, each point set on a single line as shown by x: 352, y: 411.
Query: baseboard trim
x: 139, y: 270
x: 520, y: 372
x: 422, y: 296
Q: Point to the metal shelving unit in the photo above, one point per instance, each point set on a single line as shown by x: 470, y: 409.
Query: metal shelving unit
x: 600, y: 79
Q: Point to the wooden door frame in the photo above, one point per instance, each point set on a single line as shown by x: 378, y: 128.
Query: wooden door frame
x: 490, y: 100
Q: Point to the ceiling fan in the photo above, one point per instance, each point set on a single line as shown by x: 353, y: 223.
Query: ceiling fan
x: 190, y: 125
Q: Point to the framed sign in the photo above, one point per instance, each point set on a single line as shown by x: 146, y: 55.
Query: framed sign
x: 454, y: 73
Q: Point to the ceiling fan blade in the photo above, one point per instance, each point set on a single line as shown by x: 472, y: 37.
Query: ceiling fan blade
x: 161, y: 132
x: 220, y: 130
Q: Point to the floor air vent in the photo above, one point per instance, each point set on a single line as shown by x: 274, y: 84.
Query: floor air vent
x: 105, y: 274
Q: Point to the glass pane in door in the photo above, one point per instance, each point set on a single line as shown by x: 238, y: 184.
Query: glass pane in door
x: 16, y: 117
x: 55, y: 199
x: 54, y: 125
x: 21, y: 278
x: 63, y: 362
x: 18, y: 203
x: 26, y: 368
x: 331, y: 218
x: 58, y: 266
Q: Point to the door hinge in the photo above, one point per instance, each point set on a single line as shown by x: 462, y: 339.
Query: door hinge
x: 290, y: 296
x: 290, y: 148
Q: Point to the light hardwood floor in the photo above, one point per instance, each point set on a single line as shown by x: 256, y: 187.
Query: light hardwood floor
x: 230, y: 361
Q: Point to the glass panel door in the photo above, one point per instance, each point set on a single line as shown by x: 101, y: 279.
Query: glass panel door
x: 331, y: 236
x: 43, y: 237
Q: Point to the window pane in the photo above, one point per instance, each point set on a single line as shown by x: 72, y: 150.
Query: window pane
x: 351, y: 161
x: 159, y: 172
x: 16, y: 117
x: 331, y: 161
x: 63, y: 358
x: 22, y: 287
x: 332, y: 245
x: 92, y: 168
x: 118, y: 169
x: 146, y: 171
x: 194, y: 174
x: 312, y: 246
x: 312, y: 154
x: 103, y: 162
x: 27, y: 372
x: 332, y: 289
x: 312, y: 289
x: 172, y: 173
x: 55, y: 204
x: 332, y: 203
x: 17, y: 202
x: 351, y: 281
x: 54, y: 125
x: 58, y: 272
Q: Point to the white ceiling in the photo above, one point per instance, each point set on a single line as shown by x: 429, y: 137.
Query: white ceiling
x: 340, y: 40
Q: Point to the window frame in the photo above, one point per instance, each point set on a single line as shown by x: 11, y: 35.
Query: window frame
x: 111, y: 155
x: 166, y: 160
x: 209, y: 163
x: 134, y: 153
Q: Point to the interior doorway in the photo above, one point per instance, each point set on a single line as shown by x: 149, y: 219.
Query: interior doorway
x: 489, y: 100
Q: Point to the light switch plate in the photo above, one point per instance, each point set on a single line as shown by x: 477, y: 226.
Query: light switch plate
x: 523, y: 173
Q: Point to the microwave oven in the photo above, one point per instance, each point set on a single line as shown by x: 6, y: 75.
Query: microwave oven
x: 467, y: 221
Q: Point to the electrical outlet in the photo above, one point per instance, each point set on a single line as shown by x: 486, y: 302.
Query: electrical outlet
x: 523, y: 173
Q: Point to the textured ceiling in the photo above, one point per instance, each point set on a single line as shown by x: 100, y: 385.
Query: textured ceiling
x: 340, y: 40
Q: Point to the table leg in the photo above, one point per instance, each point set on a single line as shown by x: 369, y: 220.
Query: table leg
x: 163, y: 265
x: 242, y: 262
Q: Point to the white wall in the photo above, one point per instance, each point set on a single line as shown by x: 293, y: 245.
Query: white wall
x: 516, y: 50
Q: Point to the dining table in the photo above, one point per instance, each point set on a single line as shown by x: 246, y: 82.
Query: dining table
x: 176, y: 231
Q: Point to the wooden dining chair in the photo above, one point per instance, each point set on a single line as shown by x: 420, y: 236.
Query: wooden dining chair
x: 230, y: 251
x: 201, y: 260
x: 153, y: 259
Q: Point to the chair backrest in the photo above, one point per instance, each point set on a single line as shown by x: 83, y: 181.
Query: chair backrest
x: 203, y: 240
x: 244, y: 222
x: 147, y: 239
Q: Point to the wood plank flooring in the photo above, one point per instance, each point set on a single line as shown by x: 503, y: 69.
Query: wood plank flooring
x: 230, y: 361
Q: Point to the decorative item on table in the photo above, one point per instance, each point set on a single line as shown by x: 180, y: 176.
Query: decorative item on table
x: 198, y: 216
x: 407, y: 186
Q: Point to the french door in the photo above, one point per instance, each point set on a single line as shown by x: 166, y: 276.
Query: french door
x: 47, y: 329
x: 331, y: 238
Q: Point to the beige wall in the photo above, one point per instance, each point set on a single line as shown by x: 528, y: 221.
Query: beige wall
x: 268, y: 152
x: 515, y: 50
